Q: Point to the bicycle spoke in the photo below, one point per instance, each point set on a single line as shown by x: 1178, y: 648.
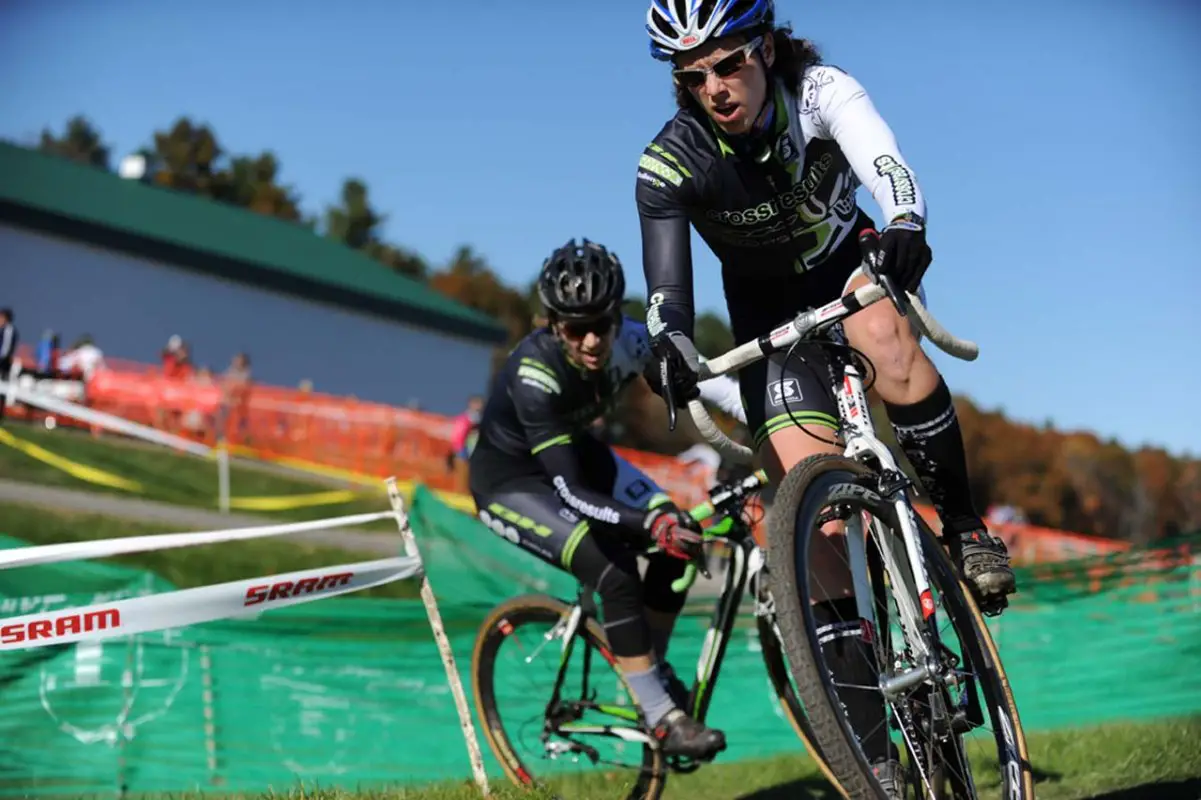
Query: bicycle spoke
x: 935, y: 710
x: 561, y: 713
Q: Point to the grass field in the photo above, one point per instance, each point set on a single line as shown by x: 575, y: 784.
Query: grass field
x: 191, y: 566
x: 1157, y: 761
x: 165, y: 475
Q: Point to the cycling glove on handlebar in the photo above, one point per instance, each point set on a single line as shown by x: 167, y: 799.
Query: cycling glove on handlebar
x: 674, y: 532
x: 904, y: 254
x: 674, y: 354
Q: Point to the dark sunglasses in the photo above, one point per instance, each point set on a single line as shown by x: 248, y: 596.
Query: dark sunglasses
x: 579, y: 328
x: 727, y: 67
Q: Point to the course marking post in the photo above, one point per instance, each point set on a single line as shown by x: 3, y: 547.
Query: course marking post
x: 448, y: 656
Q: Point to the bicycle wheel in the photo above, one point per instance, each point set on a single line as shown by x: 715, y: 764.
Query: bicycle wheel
x: 517, y: 662
x: 790, y: 703
x: 933, y: 724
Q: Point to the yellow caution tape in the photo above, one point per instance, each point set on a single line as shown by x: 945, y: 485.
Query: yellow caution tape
x: 76, y: 470
x: 456, y: 500
x: 288, y: 502
x: 311, y: 467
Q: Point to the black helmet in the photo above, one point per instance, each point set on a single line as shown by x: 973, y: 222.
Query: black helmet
x: 581, y: 281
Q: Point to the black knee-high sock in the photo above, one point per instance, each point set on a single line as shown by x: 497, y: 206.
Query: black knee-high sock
x: 852, y: 663
x: 928, y: 431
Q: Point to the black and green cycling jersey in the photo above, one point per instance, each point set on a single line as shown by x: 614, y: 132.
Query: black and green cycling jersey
x: 540, y: 401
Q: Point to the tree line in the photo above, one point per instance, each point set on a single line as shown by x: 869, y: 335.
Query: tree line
x: 1075, y: 481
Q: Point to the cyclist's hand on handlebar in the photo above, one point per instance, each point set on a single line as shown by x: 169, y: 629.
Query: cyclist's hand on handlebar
x: 675, y: 532
x: 672, y: 375
x: 904, y: 255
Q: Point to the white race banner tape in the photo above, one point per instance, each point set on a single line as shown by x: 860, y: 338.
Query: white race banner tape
x: 203, y: 604
x: 102, y: 548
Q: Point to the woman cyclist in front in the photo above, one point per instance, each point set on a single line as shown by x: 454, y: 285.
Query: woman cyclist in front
x: 762, y: 158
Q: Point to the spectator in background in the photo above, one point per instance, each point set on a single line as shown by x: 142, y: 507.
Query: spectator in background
x: 235, y: 400
x: 177, y: 361
x: 177, y: 366
x: 466, y: 428
x: 464, y: 431
x: 47, y: 355
x: 8, y: 350
x: 170, y: 353
x: 194, y: 418
x: 82, y: 360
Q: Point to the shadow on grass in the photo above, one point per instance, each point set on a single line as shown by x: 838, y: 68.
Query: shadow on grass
x: 1189, y: 789
x: 803, y: 789
x: 818, y: 789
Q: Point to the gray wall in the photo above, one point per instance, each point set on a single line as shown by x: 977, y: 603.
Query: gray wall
x: 132, y: 305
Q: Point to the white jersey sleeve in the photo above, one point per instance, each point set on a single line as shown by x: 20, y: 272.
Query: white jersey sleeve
x: 837, y: 107
x: 725, y: 393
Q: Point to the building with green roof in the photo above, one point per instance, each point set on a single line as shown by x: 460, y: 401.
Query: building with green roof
x: 85, y: 251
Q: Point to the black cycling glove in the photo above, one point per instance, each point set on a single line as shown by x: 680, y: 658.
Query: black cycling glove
x: 675, y: 357
x: 904, y: 254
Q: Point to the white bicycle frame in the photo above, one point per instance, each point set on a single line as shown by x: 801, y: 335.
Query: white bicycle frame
x: 860, y: 439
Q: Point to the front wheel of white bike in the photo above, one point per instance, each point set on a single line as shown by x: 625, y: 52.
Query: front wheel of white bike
x: 956, y: 735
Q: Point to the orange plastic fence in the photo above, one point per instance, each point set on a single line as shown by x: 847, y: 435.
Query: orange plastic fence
x: 381, y: 440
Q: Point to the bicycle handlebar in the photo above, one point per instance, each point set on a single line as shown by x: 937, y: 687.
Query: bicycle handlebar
x: 802, y: 326
x: 718, y: 498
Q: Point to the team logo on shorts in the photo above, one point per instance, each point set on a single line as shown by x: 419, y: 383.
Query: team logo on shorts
x: 784, y: 393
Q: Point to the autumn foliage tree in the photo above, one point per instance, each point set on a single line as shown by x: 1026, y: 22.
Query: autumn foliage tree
x: 79, y: 142
x: 468, y: 279
x: 1069, y: 480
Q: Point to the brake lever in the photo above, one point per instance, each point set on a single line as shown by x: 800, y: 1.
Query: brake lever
x: 869, y: 246
x: 890, y: 289
x: 668, y: 396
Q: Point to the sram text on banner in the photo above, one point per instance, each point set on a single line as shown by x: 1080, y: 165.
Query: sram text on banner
x: 101, y: 619
x: 277, y: 591
x: 185, y: 607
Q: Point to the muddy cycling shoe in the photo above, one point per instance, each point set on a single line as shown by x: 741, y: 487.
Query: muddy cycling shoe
x: 677, y: 690
x: 985, y: 566
x: 680, y: 735
x: 891, y: 778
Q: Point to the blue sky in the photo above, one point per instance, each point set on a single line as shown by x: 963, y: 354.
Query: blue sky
x: 1056, y: 143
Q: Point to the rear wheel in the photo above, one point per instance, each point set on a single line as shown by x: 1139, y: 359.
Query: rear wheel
x: 591, y: 740
x: 966, y: 701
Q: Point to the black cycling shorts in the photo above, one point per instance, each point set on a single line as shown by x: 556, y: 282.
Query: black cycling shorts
x: 797, y: 387
x: 525, y: 509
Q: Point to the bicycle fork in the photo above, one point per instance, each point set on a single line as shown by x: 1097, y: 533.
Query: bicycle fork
x: 919, y: 621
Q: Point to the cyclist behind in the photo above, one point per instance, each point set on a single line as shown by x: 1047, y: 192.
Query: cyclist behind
x: 763, y: 157
x: 536, y: 460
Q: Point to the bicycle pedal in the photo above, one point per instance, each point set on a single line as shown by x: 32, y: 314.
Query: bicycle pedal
x: 683, y: 764
x: 995, y: 608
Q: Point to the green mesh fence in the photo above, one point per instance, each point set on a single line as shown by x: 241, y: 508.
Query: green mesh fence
x: 1106, y: 638
x: 351, y: 692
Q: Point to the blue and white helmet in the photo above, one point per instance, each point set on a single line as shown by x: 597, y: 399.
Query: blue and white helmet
x: 679, y: 25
